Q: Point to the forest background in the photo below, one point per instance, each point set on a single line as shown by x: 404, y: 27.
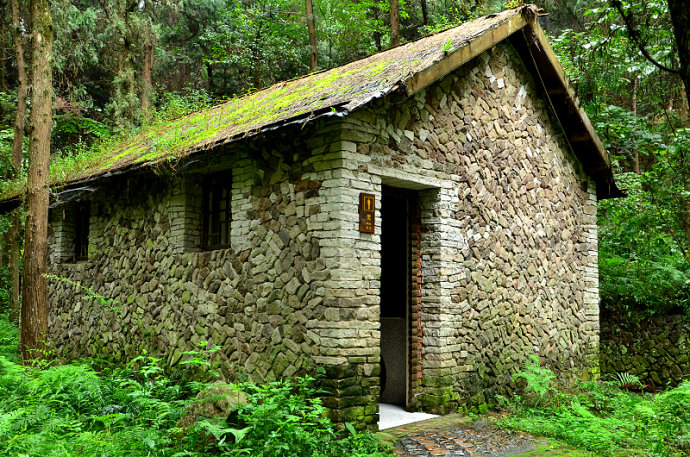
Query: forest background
x: 121, y: 65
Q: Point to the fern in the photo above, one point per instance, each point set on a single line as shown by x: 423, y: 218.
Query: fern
x: 539, y: 380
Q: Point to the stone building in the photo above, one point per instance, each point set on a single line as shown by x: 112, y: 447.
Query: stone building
x: 417, y: 222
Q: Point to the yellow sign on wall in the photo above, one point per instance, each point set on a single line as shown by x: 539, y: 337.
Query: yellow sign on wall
x: 367, y: 213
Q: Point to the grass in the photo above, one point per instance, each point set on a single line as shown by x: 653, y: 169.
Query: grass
x: 556, y: 449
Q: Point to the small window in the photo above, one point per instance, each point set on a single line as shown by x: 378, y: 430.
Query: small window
x: 217, y: 214
x: 81, y: 232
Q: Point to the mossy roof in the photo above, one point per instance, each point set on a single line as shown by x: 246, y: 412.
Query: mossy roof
x: 334, y: 92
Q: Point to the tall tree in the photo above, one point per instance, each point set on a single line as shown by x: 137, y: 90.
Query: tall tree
x: 34, y: 313
x: 147, y: 70
x: 313, y: 56
x: 18, y: 139
x: 680, y: 17
x: 395, y: 23
x: 3, y: 47
x: 679, y: 11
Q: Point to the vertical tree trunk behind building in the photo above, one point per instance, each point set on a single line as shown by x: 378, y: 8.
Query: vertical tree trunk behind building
x: 149, y: 53
x: 147, y: 78
x: 395, y: 23
x: 15, y: 221
x: 34, y: 314
x: 4, y: 45
x: 375, y: 10
x: 680, y: 17
x: 314, y: 56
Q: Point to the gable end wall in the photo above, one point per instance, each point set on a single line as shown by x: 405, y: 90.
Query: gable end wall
x: 508, y: 236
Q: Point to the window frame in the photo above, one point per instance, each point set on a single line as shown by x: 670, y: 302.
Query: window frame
x: 211, y: 222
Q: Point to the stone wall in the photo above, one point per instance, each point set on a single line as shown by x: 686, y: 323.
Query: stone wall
x: 654, y: 349
x: 265, y: 301
x: 508, y: 236
x: 503, y: 250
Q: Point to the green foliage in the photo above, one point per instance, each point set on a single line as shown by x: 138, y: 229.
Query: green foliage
x: 9, y: 337
x: 281, y: 419
x: 627, y: 381
x: 74, y: 410
x: 604, y: 419
x: 540, y: 380
x: 644, y: 239
x: 174, y: 105
x: 643, y: 248
x: 71, y: 410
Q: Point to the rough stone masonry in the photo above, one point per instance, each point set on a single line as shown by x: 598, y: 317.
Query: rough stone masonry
x: 505, y: 259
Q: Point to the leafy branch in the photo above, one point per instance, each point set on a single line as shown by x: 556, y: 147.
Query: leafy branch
x: 635, y: 35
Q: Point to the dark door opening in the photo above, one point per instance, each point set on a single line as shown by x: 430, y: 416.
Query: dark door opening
x: 395, y: 291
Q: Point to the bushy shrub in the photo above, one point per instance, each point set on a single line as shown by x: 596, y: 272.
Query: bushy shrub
x: 284, y: 419
x: 73, y: 410
x: 8, y: 339
x: 604, y: 419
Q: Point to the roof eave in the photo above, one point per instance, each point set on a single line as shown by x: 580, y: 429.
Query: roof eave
x: 527, y: 36
x: 584, y: 141
x: 456, y: 58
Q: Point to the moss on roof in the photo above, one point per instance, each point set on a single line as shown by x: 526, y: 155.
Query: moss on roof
x: 333, y: 92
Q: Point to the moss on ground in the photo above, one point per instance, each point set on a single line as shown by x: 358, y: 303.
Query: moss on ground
x: 556, y: 449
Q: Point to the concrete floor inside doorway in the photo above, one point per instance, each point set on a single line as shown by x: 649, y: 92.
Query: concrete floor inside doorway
x: 394, y: 416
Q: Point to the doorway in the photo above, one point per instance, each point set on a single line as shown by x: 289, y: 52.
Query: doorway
x: 395, y: 295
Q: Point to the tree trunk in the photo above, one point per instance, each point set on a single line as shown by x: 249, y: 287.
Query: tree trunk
x: 683, y: 105
x: 125, y: 92
x: 3, y: 50
x: 395, y: 24
x: 21, y: 88
x: 147, y: 79
x: 147, y: 67
x: 209, y: 75
x: 636, y: 153
x: 256, y: 79
x: 14, y: 238
x: 425, y: 12
x: 377, y: 34
x: 680, y: 16
x: 34, y: 314
x: 314, y: 56
x: 17, y: 156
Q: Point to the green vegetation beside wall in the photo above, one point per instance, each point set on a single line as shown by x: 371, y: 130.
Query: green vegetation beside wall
x: 73, y: 410
x: 601, y: 417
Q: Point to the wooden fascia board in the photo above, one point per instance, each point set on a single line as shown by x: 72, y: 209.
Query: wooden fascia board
x: 458, y: 57
x: 563, y: 88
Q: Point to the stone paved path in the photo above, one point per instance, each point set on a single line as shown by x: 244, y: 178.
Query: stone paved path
x: 455, y: 435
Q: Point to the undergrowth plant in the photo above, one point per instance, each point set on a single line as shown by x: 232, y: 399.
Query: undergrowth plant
x: 9, y: 337
x: 539, y: 380
x: 610, y: 422
x: 282, y: 419
x: 135, y: 410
